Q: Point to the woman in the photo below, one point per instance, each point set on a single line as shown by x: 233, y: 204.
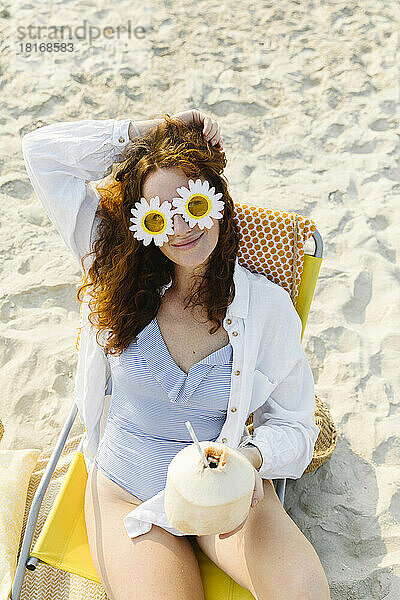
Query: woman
x: 189, y: 335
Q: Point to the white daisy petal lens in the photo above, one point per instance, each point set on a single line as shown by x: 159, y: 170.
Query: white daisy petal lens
x: 152, y: 221
x: 199, y: 203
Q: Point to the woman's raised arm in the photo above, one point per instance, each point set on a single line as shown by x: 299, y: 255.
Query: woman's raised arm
x: 61, y: 159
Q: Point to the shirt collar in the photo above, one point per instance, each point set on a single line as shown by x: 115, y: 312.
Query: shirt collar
x: 240, y: 304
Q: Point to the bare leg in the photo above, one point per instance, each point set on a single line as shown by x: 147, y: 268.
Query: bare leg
x: 149, y: 567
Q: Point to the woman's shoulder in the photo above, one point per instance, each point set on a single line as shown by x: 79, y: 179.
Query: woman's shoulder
x: 259, y: 283
x: 269, y: 301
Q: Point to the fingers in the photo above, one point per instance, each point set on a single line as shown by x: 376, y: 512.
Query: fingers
x: 222, y: 536
x: 197, y: 116
x: 260, y: 487
x: 212, y: 131
x: 190, y: 116
x: 258, y: 493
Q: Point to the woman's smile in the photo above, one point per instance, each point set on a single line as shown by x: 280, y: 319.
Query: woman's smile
x: 190, y: 244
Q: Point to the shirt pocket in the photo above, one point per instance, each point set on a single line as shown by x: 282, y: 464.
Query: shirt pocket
x: 262, y: 389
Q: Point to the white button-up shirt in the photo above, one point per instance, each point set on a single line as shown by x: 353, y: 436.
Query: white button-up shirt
x: 271, y: 375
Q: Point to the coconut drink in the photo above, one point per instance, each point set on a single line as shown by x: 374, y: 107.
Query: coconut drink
x: 212, y: 499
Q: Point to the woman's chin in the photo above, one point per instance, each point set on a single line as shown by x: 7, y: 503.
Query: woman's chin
x: 190, y: 261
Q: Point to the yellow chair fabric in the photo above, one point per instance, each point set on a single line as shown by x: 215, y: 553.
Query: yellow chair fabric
x: 63, y: 541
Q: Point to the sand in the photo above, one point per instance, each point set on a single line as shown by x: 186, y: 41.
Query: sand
x: 307, y: 95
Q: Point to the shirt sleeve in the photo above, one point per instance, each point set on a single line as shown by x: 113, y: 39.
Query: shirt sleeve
x: 284, y: 427
x: 61, y: 159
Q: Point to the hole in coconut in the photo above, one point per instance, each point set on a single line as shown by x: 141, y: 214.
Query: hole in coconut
x: 215, y: 458
x: 213, y: 462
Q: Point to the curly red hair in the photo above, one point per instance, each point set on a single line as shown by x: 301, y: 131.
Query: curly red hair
x: 125, y: 278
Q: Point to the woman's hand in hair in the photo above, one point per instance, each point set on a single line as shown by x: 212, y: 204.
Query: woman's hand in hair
x: 211, y: 129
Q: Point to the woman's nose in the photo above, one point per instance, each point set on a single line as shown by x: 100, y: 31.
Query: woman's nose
x: 180, y: 225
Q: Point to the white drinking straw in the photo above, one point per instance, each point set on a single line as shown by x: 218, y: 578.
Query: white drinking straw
x: 196, y: 441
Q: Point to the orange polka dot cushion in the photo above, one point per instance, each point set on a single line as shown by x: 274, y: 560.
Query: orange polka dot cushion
x: 272, y: 244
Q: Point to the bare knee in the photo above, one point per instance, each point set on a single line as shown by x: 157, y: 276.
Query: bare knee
x: 314, y: 590
x: 307, y: 582
x: 306, y: 585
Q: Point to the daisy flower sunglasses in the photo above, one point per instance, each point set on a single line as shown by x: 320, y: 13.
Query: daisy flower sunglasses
x: 196, y: 203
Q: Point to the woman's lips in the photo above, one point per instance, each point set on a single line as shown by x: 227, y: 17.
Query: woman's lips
x: 191, y: 244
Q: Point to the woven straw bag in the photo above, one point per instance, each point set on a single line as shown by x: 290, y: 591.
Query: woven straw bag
x: 327, y: 438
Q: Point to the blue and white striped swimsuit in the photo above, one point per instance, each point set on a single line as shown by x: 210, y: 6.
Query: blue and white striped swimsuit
x: 150, y: 401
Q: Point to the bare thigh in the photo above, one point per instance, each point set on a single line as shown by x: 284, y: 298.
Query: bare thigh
x: 269, y: 556
x: 149, y: 567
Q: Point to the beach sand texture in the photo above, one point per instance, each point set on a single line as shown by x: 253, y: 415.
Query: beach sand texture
x: 307, y: 95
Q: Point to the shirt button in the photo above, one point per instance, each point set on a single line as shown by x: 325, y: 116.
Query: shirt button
x: 121, y: 139
x: 224, y: 440
x: 234, y: 333
x: 229, y: 321
x: 237, y: 372
x: 234, y: 409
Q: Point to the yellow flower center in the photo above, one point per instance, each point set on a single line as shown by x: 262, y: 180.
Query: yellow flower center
x: 154, y: 222
x: 198, y: 205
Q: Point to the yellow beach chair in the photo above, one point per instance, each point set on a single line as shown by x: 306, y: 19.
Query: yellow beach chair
x: 272, y: 243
